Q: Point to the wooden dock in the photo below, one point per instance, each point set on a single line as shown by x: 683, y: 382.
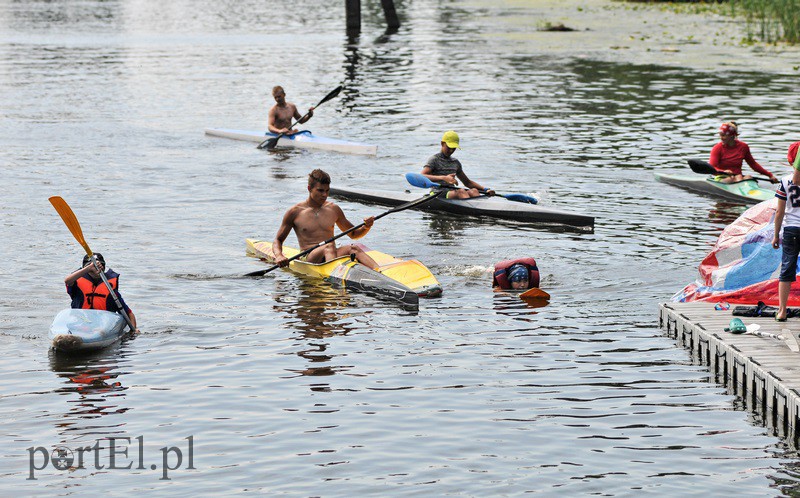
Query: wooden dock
x: 764, y: 371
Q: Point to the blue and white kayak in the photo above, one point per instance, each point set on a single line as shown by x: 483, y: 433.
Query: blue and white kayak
x: 86, y: 330
x: 303, y: 139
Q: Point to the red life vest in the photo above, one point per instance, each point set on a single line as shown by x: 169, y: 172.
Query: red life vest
x: 500, y: 278
x: 95, y: 296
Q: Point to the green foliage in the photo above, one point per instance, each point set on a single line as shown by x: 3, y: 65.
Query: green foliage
x: 770, y: 20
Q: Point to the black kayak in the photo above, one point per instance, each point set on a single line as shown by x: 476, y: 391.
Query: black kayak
x: 496, y: 207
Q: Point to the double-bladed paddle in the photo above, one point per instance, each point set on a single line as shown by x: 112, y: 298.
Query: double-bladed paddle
x: 270, y: 143
x: 71, y: 221
x: 705, y: 168
x: 407, y: 205
x: 422, y: 181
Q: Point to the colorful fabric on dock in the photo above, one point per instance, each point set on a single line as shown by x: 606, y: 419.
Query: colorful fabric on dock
x: 743, y: 267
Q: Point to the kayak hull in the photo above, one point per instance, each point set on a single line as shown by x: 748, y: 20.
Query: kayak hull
x: 303, y: 140
x: 495, y: 207
x: 396, y: 279
x: 744, y: 191
x: 78, y: 330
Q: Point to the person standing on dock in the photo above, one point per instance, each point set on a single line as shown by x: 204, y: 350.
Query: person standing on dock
x: 281, y: 114
x: 788, y: 190
x: 727, y: 156
x: 313, y: 220
x: 443, y: 168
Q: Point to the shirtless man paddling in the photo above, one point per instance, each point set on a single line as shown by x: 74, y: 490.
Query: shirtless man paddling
x: 313, y: 220
x: 282, y: 113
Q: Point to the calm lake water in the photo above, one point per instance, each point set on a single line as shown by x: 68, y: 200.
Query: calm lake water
x: 282, y: 386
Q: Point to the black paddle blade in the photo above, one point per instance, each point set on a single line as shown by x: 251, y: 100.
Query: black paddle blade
x: 702, y: 167
x: 331, y: 95
x: 272, y: 142
x: 269, y: 144
x: 261, y: 273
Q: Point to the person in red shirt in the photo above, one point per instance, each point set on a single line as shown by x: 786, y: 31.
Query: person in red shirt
x: 727, y: 156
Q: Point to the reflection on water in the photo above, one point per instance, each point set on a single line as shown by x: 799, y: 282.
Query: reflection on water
x: 314, y: 308
x: 725, y: 212
x: 92, y: 385
x: 509, y: 303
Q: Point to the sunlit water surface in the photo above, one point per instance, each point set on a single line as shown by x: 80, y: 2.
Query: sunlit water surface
x: 286, y: 386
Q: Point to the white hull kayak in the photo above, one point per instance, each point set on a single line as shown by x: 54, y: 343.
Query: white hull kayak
x: 744, y: 191
x: 86, y: 330
x: 304, y: 140
x: 496, y: 207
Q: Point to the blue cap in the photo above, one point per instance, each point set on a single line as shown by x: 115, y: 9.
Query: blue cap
x: 517, y: 273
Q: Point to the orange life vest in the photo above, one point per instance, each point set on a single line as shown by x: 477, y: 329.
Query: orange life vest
x: 95, y: 296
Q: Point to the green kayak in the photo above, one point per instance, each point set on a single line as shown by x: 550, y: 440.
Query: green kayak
x: 744, y: 191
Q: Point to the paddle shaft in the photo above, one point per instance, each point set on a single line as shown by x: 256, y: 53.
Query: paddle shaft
x: 273, y: 141
x: 401, y: 207
x: 422, y: 181
x: 113, y: 294
x: 69, y: 218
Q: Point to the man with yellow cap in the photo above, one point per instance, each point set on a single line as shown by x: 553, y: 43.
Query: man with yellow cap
x: 443, y: 168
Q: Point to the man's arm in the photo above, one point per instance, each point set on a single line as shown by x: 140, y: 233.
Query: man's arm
x: 472, y: 184
x: 72, y: 277
x: 302, y: 119
x: 344, y: 224
x: 779, y: 212
x: 427, y: 172
x: 283, y: 231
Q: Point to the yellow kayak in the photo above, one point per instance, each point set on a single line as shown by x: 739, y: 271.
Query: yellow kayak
x: 397, y: 279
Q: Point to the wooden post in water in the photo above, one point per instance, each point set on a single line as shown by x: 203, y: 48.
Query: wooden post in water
x: 352, y: 9
x: 392, y: 22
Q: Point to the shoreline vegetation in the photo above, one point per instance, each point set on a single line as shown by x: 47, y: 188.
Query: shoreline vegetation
x: 767, y: 21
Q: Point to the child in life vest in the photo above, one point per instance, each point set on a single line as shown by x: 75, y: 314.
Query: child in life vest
x: 519, y: 274
x: 88, y: 291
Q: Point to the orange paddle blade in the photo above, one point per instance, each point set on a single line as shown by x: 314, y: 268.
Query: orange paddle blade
x: 70, y: 220
x: 534, y: 293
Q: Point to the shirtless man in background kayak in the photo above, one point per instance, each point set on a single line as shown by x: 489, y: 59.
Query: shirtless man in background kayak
x: 313, y: 220
x: 281, y: 114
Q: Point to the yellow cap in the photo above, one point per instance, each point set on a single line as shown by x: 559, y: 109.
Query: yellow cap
x: 451, y: 139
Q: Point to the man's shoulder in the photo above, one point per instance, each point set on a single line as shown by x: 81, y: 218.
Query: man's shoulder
x: 331, y: 205
x: 294, y: 210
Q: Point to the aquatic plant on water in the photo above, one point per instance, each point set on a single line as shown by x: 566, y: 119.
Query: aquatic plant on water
x: 767, y: 20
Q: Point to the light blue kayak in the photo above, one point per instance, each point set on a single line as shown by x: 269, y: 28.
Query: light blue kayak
x: 86, y: 330
x: 304, y: 140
